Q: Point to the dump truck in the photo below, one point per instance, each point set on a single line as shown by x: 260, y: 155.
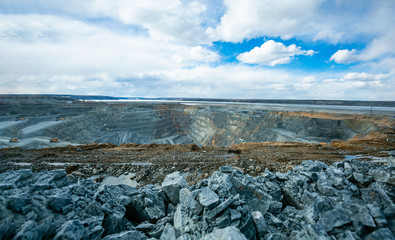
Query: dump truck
x: 13, y: 140
x: 54, y: 140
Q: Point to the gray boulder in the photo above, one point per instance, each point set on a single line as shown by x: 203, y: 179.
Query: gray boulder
x: 172, y: 185
x: 19, y: 203
x: 71, y: 230
x: 147, y: 205
x: 335, y: 218
x: 208, y: 198
x: 29, y: 231
x: 260, y: 223
x: 184, y: 237
x: 391, y: 159
x: 59, y: 201
x: 223, y: 220
x: 181, y: 218
x: 95, y: 233
x: 273, y: 236
x: 187, y: 198
x: 126, y: 235
x: 46, y: 181
x: 234, y: 214
x: 384, y: 176
x: 228, y: 233
x: 252, y: 194
x: 378, y: 194
x: 168, y: 233
x: 247, y: 227
x: 382, y: 233
x: 221, y: 207
x: 115, y: 223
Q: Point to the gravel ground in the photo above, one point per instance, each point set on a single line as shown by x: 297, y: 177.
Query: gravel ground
x: 150, y: 163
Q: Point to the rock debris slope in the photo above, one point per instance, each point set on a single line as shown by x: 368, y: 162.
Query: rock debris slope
x: 348, y: 200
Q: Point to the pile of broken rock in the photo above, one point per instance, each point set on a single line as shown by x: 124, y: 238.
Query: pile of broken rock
x: 348, y: 200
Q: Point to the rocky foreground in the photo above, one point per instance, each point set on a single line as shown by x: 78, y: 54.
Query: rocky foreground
x: 348, y: 200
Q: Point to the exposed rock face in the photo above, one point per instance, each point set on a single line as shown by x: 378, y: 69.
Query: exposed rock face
x: 348, y: 200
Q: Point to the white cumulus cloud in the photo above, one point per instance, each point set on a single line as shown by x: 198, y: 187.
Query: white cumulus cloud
x: 196, y: 55
x: 344, y: 56
x: 254, y: 18
x: 169, y: 20
x: 178, y: 21
x: 363, y: 76
x: 272, y: 53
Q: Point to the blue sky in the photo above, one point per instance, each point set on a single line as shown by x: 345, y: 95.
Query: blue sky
x: 285, y: 49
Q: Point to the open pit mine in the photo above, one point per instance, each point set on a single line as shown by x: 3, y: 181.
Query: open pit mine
x: 101, y: 168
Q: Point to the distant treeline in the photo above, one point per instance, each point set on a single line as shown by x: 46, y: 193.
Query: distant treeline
x: 270, y: 101
x: 284, y: 101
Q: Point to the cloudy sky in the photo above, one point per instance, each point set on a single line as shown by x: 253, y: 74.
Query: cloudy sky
x: 283, y: 49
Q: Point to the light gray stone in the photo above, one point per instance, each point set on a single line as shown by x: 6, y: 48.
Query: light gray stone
x: 228, y: 233
x: 96, y: 233
x: 247, y: 227
x: 126, y: 235
x: 381, y: 234
x: 59, y: 201
x: 234, y: 214
x: 324, y: 188
x: 273, y: 236
x: 276, y: 207
x: 19, y: 203
x: 168, y: 233
x: 223, y: 220
x: 115, y: 223
x: 180, y: 218
x: 187, y: 198
x: 391, y: 159
x: 29, y: 231
x: 221, y: 207
x: 366, y: 220
x: 335, y: 218
x: 145, y: 226
x: 71, y: 230
x: 260, y: 223
x: 172, y: 185
x: 208, y: 198
x: 146, y: 206
x: 184, y: 237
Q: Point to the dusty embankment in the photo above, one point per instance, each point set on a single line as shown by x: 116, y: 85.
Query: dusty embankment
x: 151, y: 162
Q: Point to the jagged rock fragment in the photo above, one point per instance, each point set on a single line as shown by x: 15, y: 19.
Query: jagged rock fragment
x: 172, y: 185
x: 208, y: 198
